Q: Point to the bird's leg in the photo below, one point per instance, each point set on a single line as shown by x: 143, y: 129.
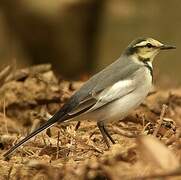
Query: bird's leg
x: 108, y: 135
x: 101, y: 127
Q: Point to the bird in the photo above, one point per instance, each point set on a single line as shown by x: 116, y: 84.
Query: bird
x: 111, y: 94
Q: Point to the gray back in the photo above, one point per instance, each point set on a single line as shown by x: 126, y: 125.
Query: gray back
x: 118, y: 70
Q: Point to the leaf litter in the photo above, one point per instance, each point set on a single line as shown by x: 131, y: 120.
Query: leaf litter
x: 148, y: 143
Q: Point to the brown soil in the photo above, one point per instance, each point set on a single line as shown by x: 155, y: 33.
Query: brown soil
x: 148, y: 143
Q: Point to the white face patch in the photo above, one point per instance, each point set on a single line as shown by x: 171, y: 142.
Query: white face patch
x: 143, y: 43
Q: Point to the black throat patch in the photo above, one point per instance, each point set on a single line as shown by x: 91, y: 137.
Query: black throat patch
x: 145, y: 62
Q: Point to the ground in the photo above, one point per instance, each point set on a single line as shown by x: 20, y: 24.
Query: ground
x: 148, y: 143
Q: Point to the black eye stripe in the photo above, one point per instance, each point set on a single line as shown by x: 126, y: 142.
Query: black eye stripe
x: 149, y: 45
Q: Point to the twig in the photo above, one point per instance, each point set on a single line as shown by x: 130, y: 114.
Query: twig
x: 9, y: 172
x: 132, y: 119
x: 4, y: 116
x: 44, y: 139
x: 90, y: 146
x: 35, y: 124
x: 152, y: 93
x: 29, y: 152
x: 77, y: 126
x: 144, y: 125
x: 58, y: 147
x: 144, y: 128
x: 143, y: 119
x: 92, y: 133
x: 4, y: 73
x: 93, y: 147
x: 124, y: 133
x: 163, y: 111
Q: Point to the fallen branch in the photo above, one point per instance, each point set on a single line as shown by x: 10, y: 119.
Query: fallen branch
x: 24, y: 73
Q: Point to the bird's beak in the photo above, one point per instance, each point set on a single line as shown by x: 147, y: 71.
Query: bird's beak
x: 165, y: 47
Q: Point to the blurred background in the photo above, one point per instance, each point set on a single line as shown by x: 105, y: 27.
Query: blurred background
x: 82, y: 36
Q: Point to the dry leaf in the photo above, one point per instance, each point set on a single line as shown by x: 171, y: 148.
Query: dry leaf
x: 153, y: 151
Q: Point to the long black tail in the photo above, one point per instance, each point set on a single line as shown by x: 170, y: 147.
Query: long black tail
x: 59, y: 116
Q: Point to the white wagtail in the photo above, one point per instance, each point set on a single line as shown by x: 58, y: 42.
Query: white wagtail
x: 112, y: 93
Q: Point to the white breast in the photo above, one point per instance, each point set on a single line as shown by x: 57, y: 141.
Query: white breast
x: 120, y: 108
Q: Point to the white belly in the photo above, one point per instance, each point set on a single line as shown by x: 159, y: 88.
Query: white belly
x: 120, y: 108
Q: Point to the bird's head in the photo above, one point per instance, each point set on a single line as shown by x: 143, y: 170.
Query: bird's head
x: 146, y: 49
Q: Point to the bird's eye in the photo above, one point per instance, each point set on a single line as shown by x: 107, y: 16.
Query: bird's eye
x: 149, y: 45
